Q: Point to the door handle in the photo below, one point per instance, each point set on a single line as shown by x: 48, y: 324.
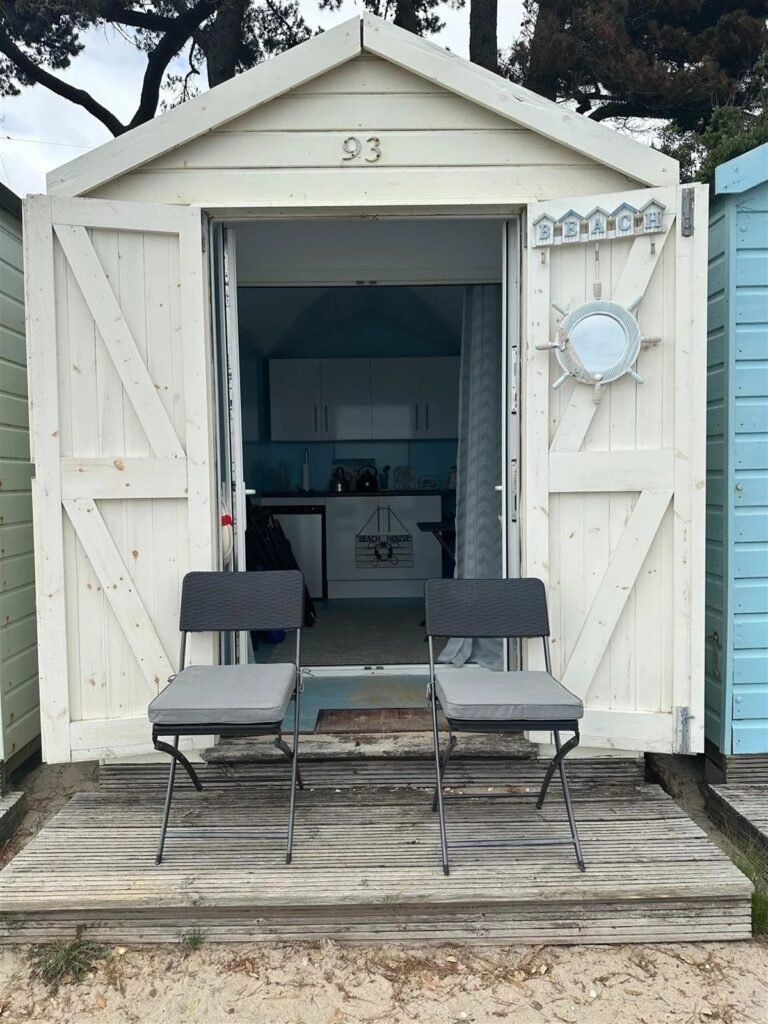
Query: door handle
x: 315, y: 418
x: 326, y: 419
x: 417, y: 415
x: 426, y: 416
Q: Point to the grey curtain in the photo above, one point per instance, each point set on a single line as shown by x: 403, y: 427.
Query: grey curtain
x: 478, y: 467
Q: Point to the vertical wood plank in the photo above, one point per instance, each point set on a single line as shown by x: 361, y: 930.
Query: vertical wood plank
x: 40, y: 289
x: 535, y: 426
x: 198, y: 405
x: 690, y: 465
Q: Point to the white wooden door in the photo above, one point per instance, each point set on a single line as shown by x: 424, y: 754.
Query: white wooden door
x: 295, y: 399
x: 440, y: 397
x: 346, y: 390
x: 119, y: 365
x: 395, y: 398
x: 612, y: 504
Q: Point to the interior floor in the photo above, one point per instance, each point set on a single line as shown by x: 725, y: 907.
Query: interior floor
x: 365, y: 633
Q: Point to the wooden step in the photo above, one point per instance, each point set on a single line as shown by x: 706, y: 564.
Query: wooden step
x: 367, y: 862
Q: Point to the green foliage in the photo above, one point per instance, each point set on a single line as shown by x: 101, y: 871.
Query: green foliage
x: 730, y: 131
x: 60, y: 962
x: 674, y: 60
x: 192, y: 940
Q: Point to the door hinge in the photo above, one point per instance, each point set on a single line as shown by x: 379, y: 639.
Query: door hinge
x: 684, y: 716
x: 686, y: 222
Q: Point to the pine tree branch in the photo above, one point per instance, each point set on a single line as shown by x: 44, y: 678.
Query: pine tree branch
x: 160, y: 57
x: 69, y: 92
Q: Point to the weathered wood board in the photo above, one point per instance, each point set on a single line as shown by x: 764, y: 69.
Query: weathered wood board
x: 367, y: 866
x: 742, y: 812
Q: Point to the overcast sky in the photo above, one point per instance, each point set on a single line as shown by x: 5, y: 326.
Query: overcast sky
x: 39, y: 130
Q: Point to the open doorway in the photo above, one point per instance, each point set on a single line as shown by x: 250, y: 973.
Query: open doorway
x: 368, y: 382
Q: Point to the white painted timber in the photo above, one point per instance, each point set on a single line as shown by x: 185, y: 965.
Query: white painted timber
x: 612, y: 500
x: 119, y: 478
x: 419, y: 112
x: 46, y: 486
x: 604, y: 471
x: 199, y: 115
x: 119, y: 358
x: 518, y: 104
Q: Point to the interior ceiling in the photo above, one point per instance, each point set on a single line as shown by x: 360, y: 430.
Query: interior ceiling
x: 342, y: 322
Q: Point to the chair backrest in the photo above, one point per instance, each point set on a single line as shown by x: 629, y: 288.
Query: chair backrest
x: 223, y: 601
x: 486, y: 608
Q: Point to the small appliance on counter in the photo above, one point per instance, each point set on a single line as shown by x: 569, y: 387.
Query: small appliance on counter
x: 367, y: 479
x: 339, y: 481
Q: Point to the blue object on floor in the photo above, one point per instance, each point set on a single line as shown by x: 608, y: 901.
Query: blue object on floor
x: 383, y: 690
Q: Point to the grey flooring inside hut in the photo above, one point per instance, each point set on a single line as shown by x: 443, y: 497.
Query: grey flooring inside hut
x: 363, y: 633
x: 366, y: 861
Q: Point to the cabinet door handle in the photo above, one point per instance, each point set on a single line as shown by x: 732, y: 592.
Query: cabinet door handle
x: 417, y: 415
x: 315, y: 419
x: 426, y: 416
x: 326, y: 419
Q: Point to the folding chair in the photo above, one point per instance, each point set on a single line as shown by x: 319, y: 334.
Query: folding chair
x: 232, y: 700
x: 477, y: 699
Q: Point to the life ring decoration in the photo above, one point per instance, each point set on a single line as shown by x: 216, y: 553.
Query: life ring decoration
x: 597, y: 342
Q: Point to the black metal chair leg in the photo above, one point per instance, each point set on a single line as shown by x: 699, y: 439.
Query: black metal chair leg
x: 282, y: 745
x: 295, y: 776
x: 571, y: 819
x: 554, y: 764
x: 168, y: 799
x: 177, y: 755
x: 446, y: 757
x: 439, y: 784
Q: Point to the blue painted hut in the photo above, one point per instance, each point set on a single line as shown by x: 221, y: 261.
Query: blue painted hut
x: 737, y: 460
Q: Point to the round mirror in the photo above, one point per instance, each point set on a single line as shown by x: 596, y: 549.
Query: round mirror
x: 599, y: 341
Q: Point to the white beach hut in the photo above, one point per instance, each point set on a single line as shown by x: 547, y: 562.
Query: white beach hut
x: 369, y: 157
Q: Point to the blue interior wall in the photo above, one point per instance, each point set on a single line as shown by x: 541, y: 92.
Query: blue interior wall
x: 342, y: 322
x: 737, y: 472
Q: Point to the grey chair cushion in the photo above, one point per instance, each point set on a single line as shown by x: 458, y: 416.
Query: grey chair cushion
x: 225, y: 695
x: 474, y: 693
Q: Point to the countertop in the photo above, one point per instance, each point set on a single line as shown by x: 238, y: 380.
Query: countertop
x: 390, y: 492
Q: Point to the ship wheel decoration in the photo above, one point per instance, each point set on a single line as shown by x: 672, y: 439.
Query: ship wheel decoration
x: 599, y: 341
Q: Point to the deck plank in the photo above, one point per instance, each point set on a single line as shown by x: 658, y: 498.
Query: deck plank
x: 367, y: 865
x: 743, y: 811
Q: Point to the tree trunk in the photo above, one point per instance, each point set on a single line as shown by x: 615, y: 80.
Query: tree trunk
x: 543, y: 76
x: 221, y: 41
x: 405, y: 16
x: 483, y: 34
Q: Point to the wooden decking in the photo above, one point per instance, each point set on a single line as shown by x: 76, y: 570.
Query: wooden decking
x: 743, y: 812
x: 366, y: 862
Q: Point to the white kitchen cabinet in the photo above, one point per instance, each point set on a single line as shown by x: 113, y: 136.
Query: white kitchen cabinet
x: 439, y: 397
x: 363, y: 399
x: 295, y: 399
x: 345, y: 386
x: 395, y: 397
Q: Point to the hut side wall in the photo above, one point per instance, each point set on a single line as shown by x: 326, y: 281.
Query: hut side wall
x: 19, y: 701
x: 737, y: 475
x: 418, y: 144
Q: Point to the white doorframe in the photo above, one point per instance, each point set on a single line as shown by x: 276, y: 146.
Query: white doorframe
x: 510, y: 341
x: 227, y: 348
x: 510, y: 434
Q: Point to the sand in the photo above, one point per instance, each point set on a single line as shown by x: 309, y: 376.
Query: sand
x: 330, y: 984
x: 327, y: 983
